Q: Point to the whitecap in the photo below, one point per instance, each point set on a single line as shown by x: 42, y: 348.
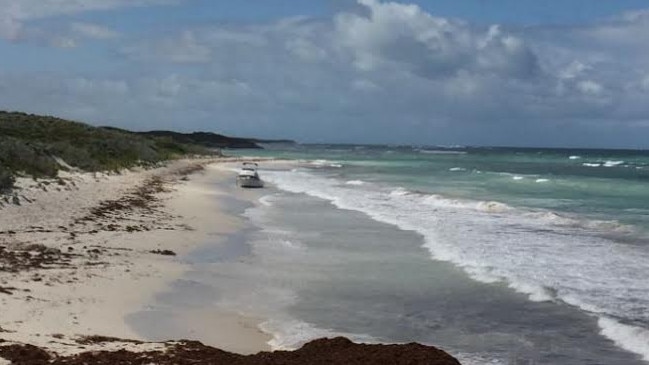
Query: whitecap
x: 591, y: 164
x: 517, y: 177
x: 442, y: 152
x: 492, y: 207
x: 355, y: 182
x: 457, y: 169
x: 319, y: 162
x: 553, y: 258
x: 291, y: 334
x: 612, y: 163
x: 542, y: 180
x: 399, y: 192
x: 536, y: 293
x: 574, y: 157
x: 630, y: 338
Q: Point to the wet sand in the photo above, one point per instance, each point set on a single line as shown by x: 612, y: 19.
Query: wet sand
x: 82, y: 253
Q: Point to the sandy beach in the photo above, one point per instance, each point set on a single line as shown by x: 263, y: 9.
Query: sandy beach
x: 86, y: 258
x: 84, y: 251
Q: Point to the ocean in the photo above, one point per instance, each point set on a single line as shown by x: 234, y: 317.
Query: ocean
x: 497, y: 255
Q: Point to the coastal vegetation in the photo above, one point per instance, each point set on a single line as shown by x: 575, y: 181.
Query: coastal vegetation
x: 39, y: 146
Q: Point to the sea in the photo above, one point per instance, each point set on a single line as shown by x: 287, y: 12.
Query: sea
x: 496, y: 255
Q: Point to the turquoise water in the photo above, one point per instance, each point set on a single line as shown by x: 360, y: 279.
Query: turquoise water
x: 558, y: 237
x: 598, y: 184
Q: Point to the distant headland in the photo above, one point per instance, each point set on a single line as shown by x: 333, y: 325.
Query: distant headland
x: 38, y: 146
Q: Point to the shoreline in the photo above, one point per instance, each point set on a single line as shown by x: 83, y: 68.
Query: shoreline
x: 80, y: 254
x: 98, y: 247
x: 209, y: 212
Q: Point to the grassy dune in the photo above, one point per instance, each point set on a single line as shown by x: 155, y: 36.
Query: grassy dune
x: 34, y: 145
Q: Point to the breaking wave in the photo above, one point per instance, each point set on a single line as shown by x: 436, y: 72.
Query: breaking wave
x: 545, y: 255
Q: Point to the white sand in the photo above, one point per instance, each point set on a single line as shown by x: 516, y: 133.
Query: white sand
x: 52, y: 307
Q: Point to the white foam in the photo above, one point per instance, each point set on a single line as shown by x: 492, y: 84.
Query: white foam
x: 542, y: 180
x: 325, y: 163
x: 268, y: 200
x: 630, y: 338
x: 399, y: 192
x: 574, y: 157
x: 587, y: 164
x: 493, y: 207
x: 457, y: 169
x: 612, y: 163
x: 552, y: 218
x: 476, y: 359
x: 355, y: 182
x: 598, y: 226
x: 536, y: 293
x: 291, y: 334
x: 442, y: 152
x: 517, y: 178
x: 542, y: 254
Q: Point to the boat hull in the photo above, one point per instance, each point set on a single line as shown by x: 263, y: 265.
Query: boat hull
x: 250, y: 183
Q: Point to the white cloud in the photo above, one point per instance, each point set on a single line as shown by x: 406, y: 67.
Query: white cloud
x: 394, y: 35
x: 387, y: 72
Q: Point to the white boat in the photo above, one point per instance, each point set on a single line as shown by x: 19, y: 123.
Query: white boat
x: 249, y: 177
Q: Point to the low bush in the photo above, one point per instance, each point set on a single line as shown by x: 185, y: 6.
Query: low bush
x: 6, y: 180
x: 30, y: 145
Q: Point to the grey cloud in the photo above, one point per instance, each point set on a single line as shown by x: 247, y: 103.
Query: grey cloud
x: 404, y: 36
x: 388, y: 73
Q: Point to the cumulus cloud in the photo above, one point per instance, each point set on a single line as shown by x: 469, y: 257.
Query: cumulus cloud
x: 404, y: 36
x: 380, y: 72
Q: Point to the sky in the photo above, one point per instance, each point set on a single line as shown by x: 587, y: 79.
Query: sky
x: 570, y: 73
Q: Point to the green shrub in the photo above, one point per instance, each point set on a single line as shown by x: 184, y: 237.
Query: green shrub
x: 30, y: 143
x: 6, y: 180
x: 28, y: 158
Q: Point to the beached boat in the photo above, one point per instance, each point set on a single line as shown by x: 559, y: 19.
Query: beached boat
x: 249, y: 177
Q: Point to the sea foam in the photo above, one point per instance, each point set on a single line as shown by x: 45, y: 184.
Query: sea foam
x: 550, y: 259
x: 612, y: 163
x: 291, y: 334
x: 630, y: 338
x: 355, y: 182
